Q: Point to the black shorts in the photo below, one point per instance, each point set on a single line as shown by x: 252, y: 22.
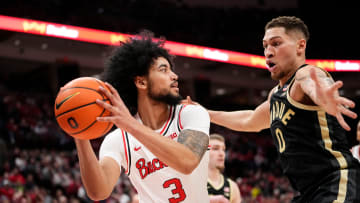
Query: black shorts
x: 342, y: 185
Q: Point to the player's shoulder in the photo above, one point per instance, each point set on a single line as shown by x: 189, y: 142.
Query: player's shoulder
x: 116, y: 140
x: 305, y: 71
x: 114, y: 135
x: 232, y: 182
x: 272, y: 92
x: 115, y: 132
x: 192, y: 109
x: 194, y: 117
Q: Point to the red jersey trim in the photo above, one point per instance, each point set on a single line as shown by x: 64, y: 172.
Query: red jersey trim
x: 167, y: 122
x: 126, y: 151
x: 181, y: 127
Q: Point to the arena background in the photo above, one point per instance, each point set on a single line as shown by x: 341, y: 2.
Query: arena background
x: 38, y: 161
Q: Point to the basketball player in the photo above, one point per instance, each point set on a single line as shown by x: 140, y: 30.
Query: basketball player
x: 221, y: 189
x: 161, y: 145
x: 356, y: 149
x: 305, y: 115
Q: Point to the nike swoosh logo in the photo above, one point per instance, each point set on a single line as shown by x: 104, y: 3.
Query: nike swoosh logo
x: 64, y: 100
x: 137, y: 148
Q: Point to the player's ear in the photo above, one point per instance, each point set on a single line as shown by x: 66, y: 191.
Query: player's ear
x: 140, y: 82
x: 301, y: 46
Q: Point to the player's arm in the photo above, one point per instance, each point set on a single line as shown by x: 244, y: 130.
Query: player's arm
x: 235, y: 192
x: 323, y: 91
x: 244, y: 120
x: 98, y: 177
x: 183, y: 156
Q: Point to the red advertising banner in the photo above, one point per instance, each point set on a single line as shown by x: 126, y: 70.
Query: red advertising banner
x: 176, y: 48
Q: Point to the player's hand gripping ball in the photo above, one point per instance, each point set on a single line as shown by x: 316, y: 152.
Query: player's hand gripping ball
x: 76, y: 109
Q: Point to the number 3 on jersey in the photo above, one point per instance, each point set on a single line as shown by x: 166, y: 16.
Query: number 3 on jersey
x: 178, y: 191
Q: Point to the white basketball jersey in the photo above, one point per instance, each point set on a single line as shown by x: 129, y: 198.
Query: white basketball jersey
x: 356, y: 152
x: 154, y: 181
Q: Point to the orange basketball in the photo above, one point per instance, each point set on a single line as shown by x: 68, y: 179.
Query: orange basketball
x: 76, y: 108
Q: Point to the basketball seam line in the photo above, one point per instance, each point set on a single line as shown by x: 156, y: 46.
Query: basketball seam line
x: 86, y: 88
x: 89, y: 125
x: 106, y: 129
x: 101, y: 86
x: 79, y: 107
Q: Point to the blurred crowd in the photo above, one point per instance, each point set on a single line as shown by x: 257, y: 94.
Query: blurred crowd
x: 39, y: 162
x: 50, y: 176
x: 27, y: 120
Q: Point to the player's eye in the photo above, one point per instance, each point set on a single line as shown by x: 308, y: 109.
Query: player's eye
x: 163, y: 69
x: 276, y: 43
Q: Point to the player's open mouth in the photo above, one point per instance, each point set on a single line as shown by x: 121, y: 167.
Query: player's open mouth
x: 174, y: 85
x: 270, y: 65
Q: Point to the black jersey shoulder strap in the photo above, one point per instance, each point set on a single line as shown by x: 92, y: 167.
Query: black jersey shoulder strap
x: 293, y: 76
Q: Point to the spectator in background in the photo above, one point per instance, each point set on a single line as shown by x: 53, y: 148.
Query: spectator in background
x: 221, y: 189
x: 3, y: 151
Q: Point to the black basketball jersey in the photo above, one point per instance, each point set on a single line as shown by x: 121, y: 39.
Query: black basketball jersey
x: 310, y: 142
x: 224, y: 189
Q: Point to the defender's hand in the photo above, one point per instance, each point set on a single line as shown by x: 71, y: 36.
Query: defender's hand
x: 328, y: 98
x: 188, y: 100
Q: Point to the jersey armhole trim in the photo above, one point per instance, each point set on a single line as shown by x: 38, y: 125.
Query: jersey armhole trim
x: 231, y: 190
x: 171, y: 119
x: 127, y: 151
x: 300, y: 105
x: 180, y: 127
x: 168, y: 121
x: 217, y: 187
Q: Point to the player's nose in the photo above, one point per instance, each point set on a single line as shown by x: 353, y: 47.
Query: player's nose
x: 268, y: 52
x: 173, y: 76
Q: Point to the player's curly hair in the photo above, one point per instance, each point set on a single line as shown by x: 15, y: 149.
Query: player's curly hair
x: 290, y: 23
x: 133, y: 58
